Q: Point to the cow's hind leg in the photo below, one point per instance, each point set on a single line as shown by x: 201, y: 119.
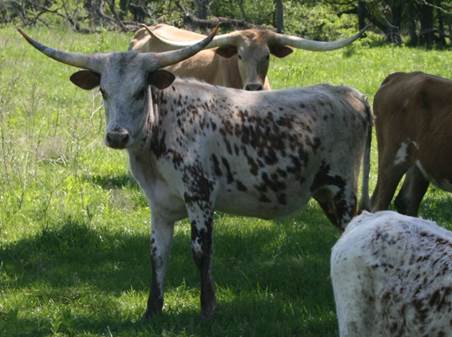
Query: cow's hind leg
x: 161, y: 238
x: 201, y: 219
x: 338, y: 202
x: 200, y: 213
x: 413, y: 190
x: 394, y: 159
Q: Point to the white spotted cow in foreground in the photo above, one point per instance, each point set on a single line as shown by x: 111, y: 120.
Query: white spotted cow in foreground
x: 238, y: 59
x: 194, y: 148
x: 413, y: 122
x: 392, y: 277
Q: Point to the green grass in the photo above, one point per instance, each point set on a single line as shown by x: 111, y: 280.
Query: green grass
x: 74, y: 226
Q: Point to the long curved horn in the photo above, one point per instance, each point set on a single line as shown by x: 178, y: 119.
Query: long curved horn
x: 218, y: 41
x: 312, y: 45
x: 91, y: 62
x: 170, y: 57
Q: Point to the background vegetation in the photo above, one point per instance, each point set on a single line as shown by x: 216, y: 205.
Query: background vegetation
x: 74, y: 226
x: 426, y: 23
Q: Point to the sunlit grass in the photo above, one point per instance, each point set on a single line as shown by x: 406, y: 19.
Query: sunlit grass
x: 74, y: 226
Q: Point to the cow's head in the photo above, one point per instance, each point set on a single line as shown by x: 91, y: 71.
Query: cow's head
x: 125, y: 81
x: 253, y: 47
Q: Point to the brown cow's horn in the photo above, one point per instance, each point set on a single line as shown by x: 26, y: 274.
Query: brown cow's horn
x: 91, y: 62
x: 174, y: 56
x: 299, y: 42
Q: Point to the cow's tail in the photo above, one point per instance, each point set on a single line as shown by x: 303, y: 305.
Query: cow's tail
x: 365, y: 202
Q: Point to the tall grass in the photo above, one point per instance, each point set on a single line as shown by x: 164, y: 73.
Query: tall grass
x: 74, y: 226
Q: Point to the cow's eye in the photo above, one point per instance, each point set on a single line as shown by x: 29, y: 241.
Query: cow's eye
x: 139, y: 95
x: 240, y: 57
x: 103, y: 93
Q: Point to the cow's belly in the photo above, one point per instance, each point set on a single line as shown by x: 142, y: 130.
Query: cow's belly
x: 439, y: 177
x: 433, y: 157
x: 248, y: 204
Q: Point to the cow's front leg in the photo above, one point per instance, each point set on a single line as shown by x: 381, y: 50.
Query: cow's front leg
x: 161, y: 238
x: 200, y: 214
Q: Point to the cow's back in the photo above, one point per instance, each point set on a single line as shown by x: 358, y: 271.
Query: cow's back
x: 143, y: 42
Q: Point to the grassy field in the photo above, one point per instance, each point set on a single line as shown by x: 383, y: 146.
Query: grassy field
x: 74, y: 226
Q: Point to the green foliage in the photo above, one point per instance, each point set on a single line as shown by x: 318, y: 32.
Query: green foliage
x: 318, y: 22
x: 74, y: 226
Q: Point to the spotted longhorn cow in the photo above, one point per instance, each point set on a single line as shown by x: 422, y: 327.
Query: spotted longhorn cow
x: 392, y: 277
x: 240, y: 59
x: 195, y: 148
x: 413, y: 113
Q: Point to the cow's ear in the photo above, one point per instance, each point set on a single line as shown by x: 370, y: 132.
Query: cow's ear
x: 280, y: 50
x: 161, y: 78
x: 226, y: 51
x: 85, y: 79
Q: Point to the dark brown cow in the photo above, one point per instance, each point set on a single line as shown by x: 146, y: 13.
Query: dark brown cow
x: 413, y: 114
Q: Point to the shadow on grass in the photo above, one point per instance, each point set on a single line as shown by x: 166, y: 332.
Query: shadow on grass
x: 230, y: 320
x: 110, y: 182
x: 436, y: 205
x: 271, y: 278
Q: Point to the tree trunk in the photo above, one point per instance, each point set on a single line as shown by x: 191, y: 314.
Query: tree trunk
x: 449, y: 24
x: 202, y: 8
x: 361, y: 14
x: 123, y: 8
x: 391, y: 31
x: 395, y: 25
x: 442, y: 33
x: 396, y: 10
x: 242, y: 10
x: 412, y: 31
x: 279, y: 16
x: 91, y: 7
x: 427, y: 33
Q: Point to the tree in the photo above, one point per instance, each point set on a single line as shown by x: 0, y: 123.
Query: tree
x: 202, y: 8
x: 279, y: 16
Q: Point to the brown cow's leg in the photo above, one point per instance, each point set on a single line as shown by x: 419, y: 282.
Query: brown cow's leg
x: 387, y: 181
x: 161, y: 237
x: 413, y: 190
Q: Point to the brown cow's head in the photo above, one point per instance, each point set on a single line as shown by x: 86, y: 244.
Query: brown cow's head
x: 253, y: 47
x: 124, y: 80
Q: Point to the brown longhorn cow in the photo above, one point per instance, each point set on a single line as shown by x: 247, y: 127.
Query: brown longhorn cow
x: 239, y: 59
x: 413, y: 114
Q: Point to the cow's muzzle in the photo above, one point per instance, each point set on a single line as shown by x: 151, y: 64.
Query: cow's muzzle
x: 254, y: 87
x: 117, y: 138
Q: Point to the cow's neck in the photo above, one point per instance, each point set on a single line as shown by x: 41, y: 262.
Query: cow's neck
x: 175, y: 107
